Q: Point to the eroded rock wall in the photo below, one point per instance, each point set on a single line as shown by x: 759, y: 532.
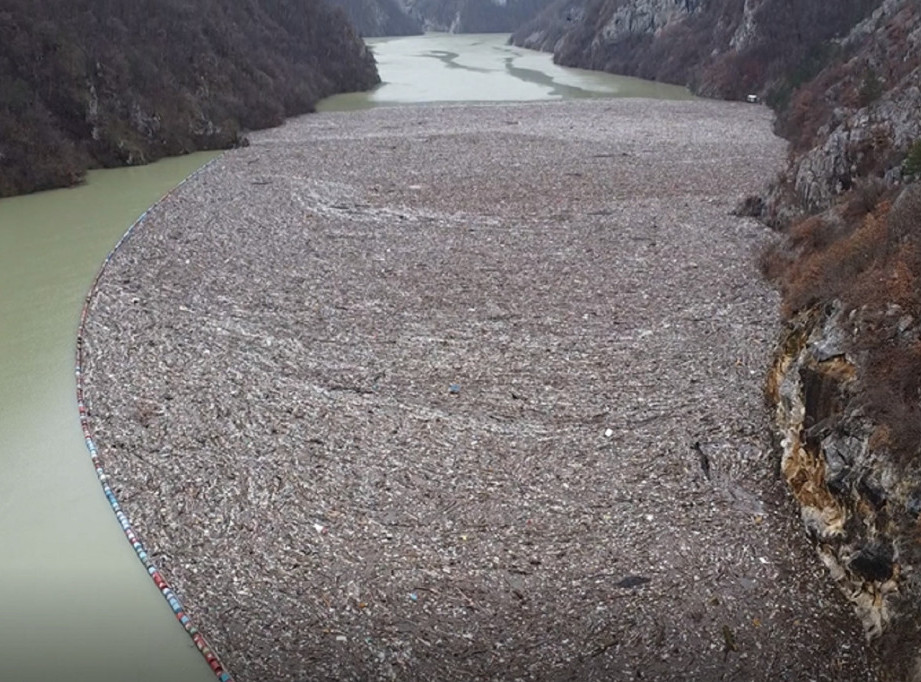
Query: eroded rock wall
x: 859, y: 119
x: 473, y: 16
x: 860, y: 502
x: 379, y: 17
x: 723, y: 48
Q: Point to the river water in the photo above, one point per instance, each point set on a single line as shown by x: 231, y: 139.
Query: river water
x: 76, y: 604
x: 440, y: 68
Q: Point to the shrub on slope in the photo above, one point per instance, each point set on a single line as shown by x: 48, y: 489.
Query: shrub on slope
x: 87, y: 83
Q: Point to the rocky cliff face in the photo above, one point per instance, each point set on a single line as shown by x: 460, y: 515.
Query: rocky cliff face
x: 858, y: 118
x: 571, y: 26
x: 847, y: 379
x: 379, y: 17
x: 845, y: 81
x: 860, y: 503
x: 844, y: 77
x: 871, y: 141
x: 473, y: 16
x: 723, y: 48
x: 98, y: 83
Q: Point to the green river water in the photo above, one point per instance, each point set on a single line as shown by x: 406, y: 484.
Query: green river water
x: 442, y: 68
x: 76, y: 603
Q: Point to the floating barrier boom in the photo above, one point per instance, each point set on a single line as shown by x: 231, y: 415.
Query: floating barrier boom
x: 168, y: 594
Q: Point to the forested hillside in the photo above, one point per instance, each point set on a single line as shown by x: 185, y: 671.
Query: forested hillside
x: 86, y: 83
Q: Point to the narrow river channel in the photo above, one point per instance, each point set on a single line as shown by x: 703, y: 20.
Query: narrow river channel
x: 75, y: 599
x: 76, y: 603
x: 440, y: 68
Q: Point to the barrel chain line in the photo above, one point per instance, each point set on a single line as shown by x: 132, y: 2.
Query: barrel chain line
x: 156, y: 575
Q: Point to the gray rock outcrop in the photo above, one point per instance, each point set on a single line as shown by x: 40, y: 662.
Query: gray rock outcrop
x: 373, y: 18
x: 860, y: 502
x: 888, y: 127
x: 724, y: 48
x: 473, y: 16
x: 872, y: 138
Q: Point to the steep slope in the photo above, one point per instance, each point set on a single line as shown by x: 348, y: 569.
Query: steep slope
x: 379, y: 17
x: 861, y: 114
x: 723, y: 48
x: 473, y: 16
x: 842, y: 76
x: 845, y: 81
x: 87, y: 83
x: 847, y: 376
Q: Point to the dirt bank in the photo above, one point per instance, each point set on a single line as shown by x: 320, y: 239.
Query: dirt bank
x: 414, y: 393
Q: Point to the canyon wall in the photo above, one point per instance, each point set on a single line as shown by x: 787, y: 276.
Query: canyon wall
x: 104, y: 83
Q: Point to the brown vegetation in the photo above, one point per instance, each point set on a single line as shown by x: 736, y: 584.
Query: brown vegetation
x: 101, y: 83
x: 833, y: 77
x: 866, y: 252
x: 791, y: 44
